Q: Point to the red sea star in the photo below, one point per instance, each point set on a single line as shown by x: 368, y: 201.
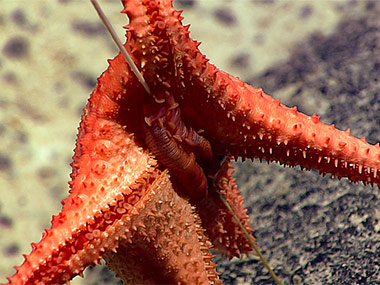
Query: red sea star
x: 115, y: 180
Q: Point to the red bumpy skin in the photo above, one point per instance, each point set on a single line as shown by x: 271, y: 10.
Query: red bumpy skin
x: 236, y: 118
x: 108, y: 167
x: 115, y: 177
x: 116, y: 189
x: 117, y: 201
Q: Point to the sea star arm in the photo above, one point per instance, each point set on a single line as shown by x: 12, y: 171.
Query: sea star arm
x: 169, y: 246
x: 236, y: 118
x: 251, y: 124
x: 108, y: 167
x: 226, y: 236
x: 116, y: 200
x: 243, y: 121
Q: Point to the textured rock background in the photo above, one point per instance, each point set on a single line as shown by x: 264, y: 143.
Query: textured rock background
x: 321, y: 56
